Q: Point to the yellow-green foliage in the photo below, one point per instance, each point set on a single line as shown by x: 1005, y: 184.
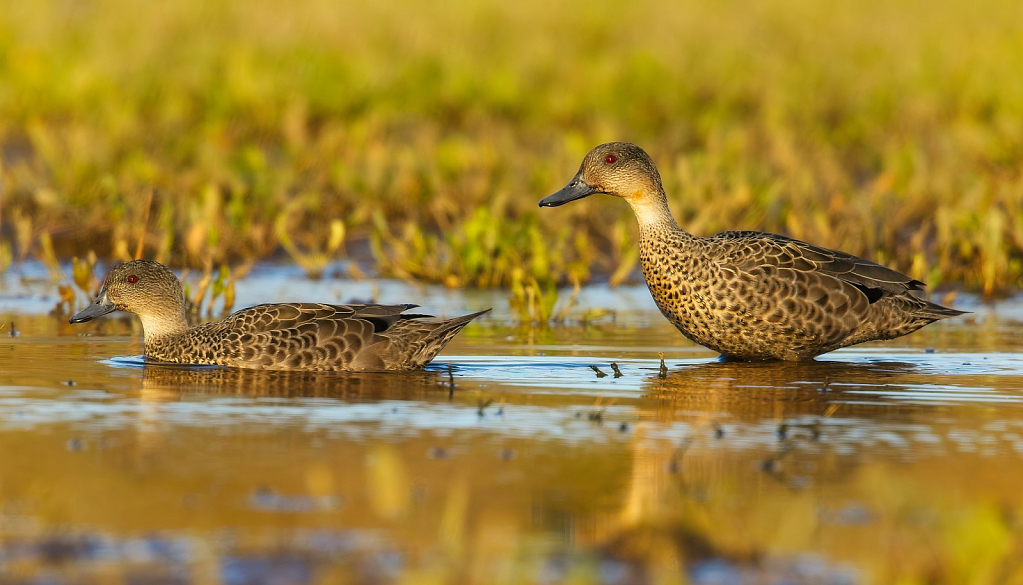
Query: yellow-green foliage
x: 888, y: 129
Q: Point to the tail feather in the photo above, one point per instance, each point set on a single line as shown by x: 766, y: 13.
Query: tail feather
x: 929, y: 310
x: 435, y: 341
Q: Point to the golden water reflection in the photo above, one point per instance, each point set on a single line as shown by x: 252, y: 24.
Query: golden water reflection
x: 866, y: 468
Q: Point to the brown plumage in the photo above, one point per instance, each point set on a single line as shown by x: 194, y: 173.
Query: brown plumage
x: 285, y: 336
x: 751, y: 295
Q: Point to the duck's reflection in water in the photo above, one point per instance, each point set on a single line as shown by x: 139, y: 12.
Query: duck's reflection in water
x: 756, y: 438
x: 754, y: 390
x: 159, y: 379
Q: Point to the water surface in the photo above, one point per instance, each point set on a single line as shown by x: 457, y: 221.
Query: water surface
x: 510, y: 460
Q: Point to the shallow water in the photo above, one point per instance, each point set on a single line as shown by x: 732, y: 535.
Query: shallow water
x: 509, y: 460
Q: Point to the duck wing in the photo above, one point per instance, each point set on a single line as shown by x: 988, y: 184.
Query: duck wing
x: 745, y: 251
x: 306, y: 336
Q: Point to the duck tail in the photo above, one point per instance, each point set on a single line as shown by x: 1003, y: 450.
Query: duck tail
x: 929, y: 310
x: 439, y: 336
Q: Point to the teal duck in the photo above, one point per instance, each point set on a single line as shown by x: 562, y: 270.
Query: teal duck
x: 285, y: 336
x: 751, y: 295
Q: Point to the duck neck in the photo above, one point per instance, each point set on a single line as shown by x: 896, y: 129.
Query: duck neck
x: 158, y: 325
x: 651, y: 209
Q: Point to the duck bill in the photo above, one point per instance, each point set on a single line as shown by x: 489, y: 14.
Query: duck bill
x: 99, y: 307
x: 576, y: 189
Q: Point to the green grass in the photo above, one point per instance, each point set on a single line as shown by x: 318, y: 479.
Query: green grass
x: 431, y: 129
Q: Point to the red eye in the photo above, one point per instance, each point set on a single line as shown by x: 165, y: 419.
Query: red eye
x: 610, y: 159
x: 133, y: 279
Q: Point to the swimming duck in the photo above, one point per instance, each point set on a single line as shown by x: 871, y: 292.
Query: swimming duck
x: 285, y: 336
x: 750, y: 295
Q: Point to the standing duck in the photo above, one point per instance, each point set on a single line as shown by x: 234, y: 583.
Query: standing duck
x: 286, y: 336
x: 751, y: 295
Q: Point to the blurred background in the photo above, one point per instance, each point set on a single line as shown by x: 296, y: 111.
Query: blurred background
x: 415, y: 138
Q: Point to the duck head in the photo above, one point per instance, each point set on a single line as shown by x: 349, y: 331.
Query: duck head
x: 147, y: 289
x: 621, y: 169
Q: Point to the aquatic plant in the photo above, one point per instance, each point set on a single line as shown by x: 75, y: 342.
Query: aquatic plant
x: 534, y: 305
x: 6, y: 256
x: 83, y: 273
x: 219, y: 284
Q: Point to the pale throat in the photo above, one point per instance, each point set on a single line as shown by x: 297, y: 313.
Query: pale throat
x: 650, y: 208
x: 158, y: 325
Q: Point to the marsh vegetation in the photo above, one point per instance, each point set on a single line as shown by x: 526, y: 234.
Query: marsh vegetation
x: 417, y: 138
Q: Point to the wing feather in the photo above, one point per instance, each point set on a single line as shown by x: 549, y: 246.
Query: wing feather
x: 748, y: 250
x: 321, y: 336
